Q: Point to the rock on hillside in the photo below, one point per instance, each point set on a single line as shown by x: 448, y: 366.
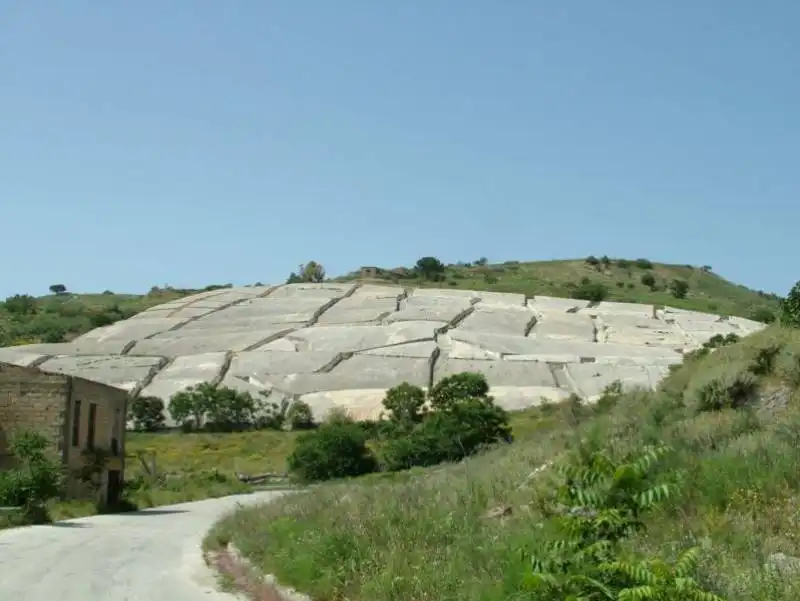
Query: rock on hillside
x: 344, y: 344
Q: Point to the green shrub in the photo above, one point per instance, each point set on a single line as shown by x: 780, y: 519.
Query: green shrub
x: 221, y: 409
x: 21, y: 305
x: 36, y: 479
x: 592, y: 260
x: 762, y: 314
x: 463, y: 419
x: 679, y: 288
x: 720, y: 340
x: 147, y: 413
x: 299, y: 416
x: 643, y: 263
x: 623, y: 263
x: 648, y: 279
x: 787, y: 364
x: 790, y: 307
x: 591, y: 291
x: 336, y: 449
x: 449, y: 435
x: 599, y: 504
x: 729, y: 385
x: 405, y: 405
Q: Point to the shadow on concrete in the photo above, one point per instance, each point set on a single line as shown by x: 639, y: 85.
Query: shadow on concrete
x: 67, y: 524
x: 148, y: 512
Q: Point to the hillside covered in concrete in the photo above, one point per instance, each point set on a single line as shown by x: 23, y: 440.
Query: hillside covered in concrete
x: 344, y: 344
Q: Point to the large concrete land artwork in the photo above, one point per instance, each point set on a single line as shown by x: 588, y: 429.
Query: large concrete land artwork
x: 342, y: 345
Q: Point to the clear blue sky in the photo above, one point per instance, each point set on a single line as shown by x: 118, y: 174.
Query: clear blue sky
x: 190, y: 142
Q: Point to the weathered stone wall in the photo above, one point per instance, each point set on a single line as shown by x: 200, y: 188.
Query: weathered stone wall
x: 32, y: 400
x: 109, y: 424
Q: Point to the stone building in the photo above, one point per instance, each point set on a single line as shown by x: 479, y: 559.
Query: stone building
x: 370, y: 272
x: 84, y: 420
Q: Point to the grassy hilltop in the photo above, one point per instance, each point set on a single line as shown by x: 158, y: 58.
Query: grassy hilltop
x: 25, y: 319
x: 593, y: 278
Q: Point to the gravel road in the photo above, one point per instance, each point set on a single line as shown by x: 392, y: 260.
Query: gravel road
x: 151, y: 555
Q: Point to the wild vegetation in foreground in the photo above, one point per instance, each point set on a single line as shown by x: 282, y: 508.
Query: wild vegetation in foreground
x: 688, y: 492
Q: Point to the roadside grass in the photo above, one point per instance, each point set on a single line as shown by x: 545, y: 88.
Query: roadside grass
x: 428, y: 535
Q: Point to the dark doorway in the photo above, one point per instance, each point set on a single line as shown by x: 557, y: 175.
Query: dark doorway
x: 114, y: 487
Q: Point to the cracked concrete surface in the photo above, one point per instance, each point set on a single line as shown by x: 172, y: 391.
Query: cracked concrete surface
x: 343, y: 344
x: 151, y: 555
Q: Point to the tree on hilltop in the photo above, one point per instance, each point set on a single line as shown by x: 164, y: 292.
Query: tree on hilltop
x: 430, y: 268
x: 311, y: 272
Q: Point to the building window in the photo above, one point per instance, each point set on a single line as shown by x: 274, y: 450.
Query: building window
x: 92, y: 426
x: 76, y: 423
x: 116, y: 432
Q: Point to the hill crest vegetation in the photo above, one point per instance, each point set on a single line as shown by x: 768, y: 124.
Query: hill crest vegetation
x: 62, y: 316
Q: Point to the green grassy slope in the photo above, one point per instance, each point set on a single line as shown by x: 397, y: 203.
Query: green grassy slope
x: 731, y: 418
x: 708, y: 291
x: 58, y: 318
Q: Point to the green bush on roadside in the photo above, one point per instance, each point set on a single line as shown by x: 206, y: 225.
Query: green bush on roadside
x: 337, y: 449
x: 36, y: 479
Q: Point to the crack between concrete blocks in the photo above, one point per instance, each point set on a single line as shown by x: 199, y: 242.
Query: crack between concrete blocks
x: 374, y: 348
x: 268, y: 339
x: 432, y: 360
x: 553, y: 368
x: 163, y: 364
x: 400, y: 298
x: 217, y: 310
x: 36, y: 363
x: 572, y: 383
x: 191, y: 303
x: 128, y: 347
x: 453, y: 323
x: 321, y: 311
x: 337, y: 359
x: 269, y: 291
x: 223, y: 370
x: 599, y: 330
x: 486, y: 349
x: 379, y: 320
x: 530, y: 325
x: 264, y: 294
